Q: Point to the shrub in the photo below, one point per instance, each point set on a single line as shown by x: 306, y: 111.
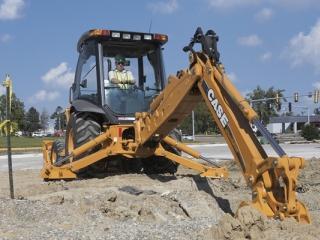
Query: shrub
x: 310, y: 132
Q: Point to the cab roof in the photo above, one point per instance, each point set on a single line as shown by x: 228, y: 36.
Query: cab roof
x: 121, y: 36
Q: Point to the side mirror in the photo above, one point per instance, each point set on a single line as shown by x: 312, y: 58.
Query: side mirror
x: 71, y: 90
x: 84, y: 83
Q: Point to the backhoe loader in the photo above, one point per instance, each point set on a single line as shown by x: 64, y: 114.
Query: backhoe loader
x: 136, y: 124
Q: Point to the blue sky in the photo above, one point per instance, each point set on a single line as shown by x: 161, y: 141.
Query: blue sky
x: 262, y: 42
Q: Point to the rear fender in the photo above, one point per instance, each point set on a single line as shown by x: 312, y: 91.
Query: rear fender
x: 81, y: 105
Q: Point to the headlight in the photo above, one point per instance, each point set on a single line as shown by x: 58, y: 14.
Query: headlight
x: 136, y: 37
x: 115, y: 34
x: 126, y: 36
x: 147, y: 37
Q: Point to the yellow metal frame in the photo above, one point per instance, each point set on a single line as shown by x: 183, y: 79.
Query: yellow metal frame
x: 232, y: 113
x: 111, y: 146
x: 272, y: 179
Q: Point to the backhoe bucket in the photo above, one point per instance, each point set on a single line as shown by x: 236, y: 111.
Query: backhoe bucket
x: 49, y: 171
x: 274, y: 194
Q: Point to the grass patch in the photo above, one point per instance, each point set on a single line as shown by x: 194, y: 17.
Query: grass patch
x: 25, y: 142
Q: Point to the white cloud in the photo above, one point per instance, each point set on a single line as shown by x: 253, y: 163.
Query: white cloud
x: 5, y: 38
x: 44, y: 95
x: 266, y: 56
x: 165, y: 7
x: 233, y: 77
x: 316, y: 85
x: 297, y: 4
x: 227, y: 4
x: 305, y: 48
x: 285, y: 4
x: 264, y: 14
x: 54, y: 73
x: 250, y: 41
x: 11, y: 9
x: 60, y: 75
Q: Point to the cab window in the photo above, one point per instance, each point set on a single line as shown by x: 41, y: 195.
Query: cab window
x: 87, y: 79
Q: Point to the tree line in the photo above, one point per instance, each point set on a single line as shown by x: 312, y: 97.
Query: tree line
x: 203, y: 121
x: 31, y: 120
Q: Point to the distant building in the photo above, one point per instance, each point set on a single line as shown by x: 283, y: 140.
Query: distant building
x: 293, y: 124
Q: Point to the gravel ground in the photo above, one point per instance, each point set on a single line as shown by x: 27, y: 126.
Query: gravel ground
x: 137, y: 206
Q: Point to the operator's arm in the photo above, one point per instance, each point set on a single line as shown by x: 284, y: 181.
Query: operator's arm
x: 112, y: 77
x: 130, y: 78
x: 122, y: 78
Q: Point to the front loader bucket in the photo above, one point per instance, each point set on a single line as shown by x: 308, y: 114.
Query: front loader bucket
x: 49, y: 171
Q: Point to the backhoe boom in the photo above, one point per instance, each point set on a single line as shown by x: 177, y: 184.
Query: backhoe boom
x: 272, y: 179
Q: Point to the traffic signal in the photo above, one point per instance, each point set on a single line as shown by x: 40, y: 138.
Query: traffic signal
x: 296, y: 97
x: 278, y: 107
x: 289, y: 107
x: 316, y: 96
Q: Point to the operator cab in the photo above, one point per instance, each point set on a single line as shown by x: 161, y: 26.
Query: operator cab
x: 98, y: 50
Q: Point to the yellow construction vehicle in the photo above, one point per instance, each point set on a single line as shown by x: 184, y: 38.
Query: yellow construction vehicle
x: 134, y: 121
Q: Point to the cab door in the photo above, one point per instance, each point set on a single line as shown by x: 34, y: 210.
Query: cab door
x: 86, y: 81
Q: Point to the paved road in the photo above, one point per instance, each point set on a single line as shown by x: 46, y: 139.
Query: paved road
x: 22, y: 162
x: 221, y: 151
x: 217, y: 151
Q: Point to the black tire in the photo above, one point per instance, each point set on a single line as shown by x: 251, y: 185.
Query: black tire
x: 83, y: 127
x: 57, y: 150
x: 134, y: 165
x: 160, y: 165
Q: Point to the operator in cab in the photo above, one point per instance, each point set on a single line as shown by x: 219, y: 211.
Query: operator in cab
x: 120, y: 75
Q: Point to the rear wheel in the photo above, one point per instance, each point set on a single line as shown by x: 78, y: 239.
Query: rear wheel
x: 159, y: 165
x: 156, y: 164
x: 57, y: 150
x: 81, y: 128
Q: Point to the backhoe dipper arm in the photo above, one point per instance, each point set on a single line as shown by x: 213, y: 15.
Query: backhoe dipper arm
x: 272, y: 179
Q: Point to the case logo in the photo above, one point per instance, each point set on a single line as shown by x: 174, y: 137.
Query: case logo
x: 217, y: 108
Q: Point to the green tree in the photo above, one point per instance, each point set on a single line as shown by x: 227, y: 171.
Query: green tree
x: 32, y: 120
x: 310, y: 132
x: 203, y: 122
x: 17, y: 110
x: 60, y: 119
x: 266, y: 108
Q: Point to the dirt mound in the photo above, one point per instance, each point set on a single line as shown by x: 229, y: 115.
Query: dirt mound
x: 251, y: 224
x: 137, y: 206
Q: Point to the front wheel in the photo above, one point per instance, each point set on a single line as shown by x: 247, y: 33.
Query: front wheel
x: 81, y: 128
x: 57, y: 151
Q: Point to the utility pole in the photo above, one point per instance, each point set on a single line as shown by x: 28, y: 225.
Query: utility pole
x: 8, y: 84
x: 193, y: 137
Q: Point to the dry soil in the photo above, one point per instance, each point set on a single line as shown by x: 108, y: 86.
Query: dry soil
x: 138, y: 206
